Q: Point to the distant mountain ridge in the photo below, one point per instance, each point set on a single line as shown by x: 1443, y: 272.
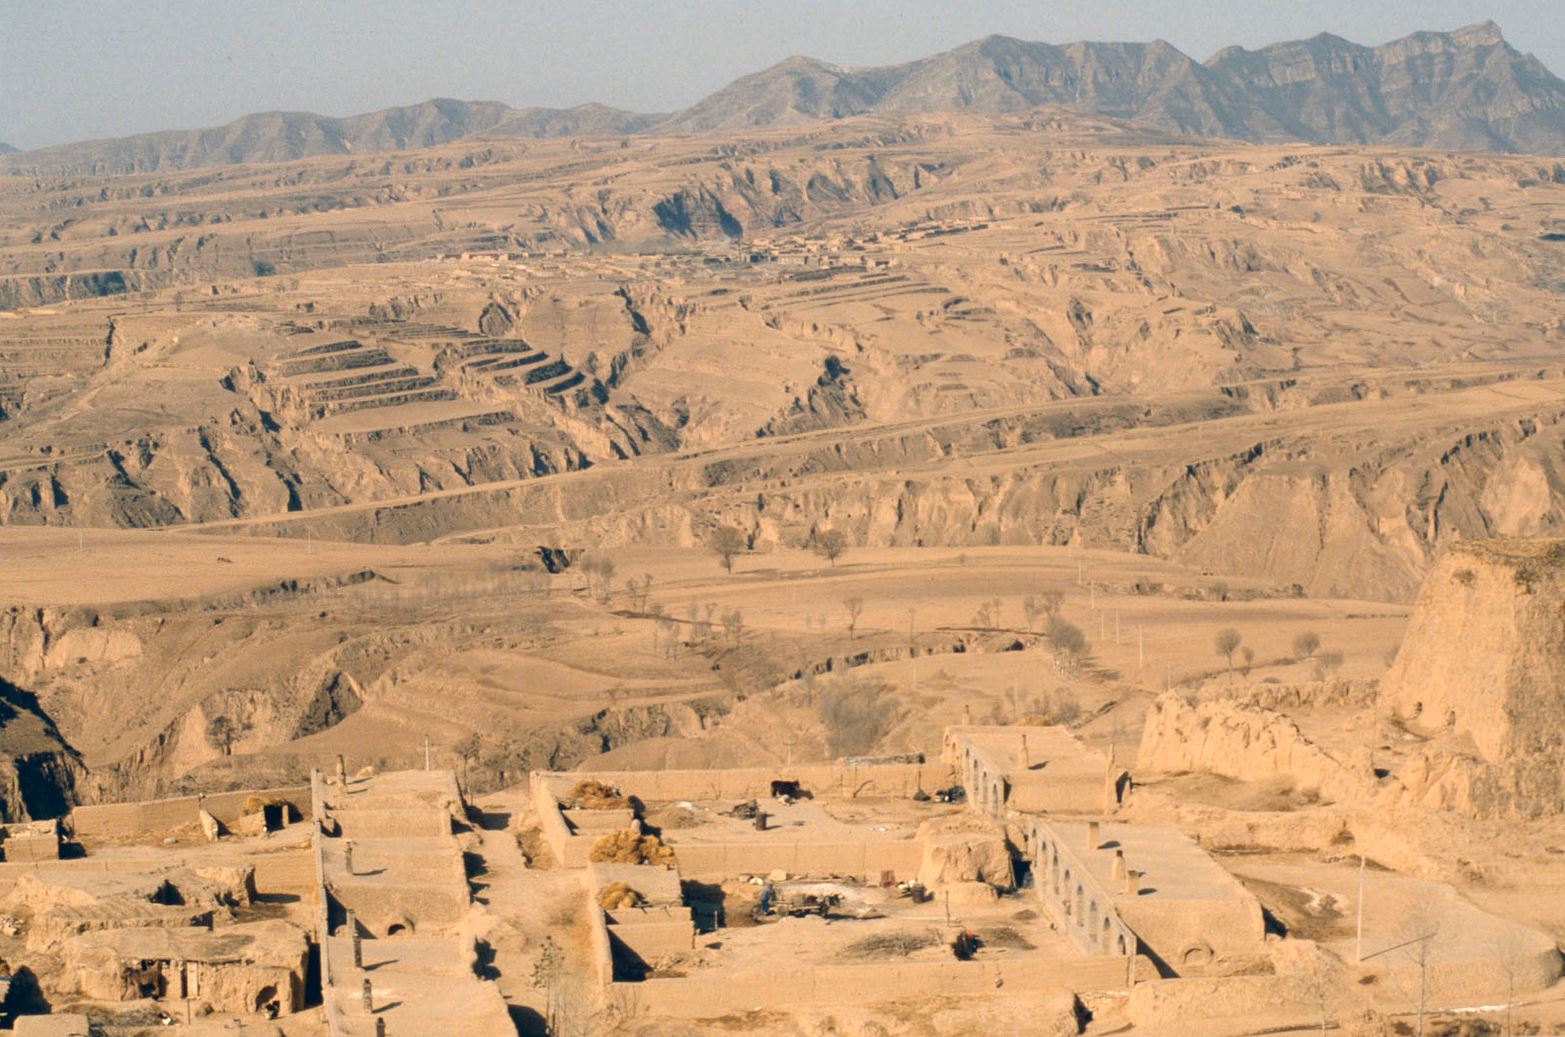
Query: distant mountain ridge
x: 286, y: 136
x: 6, y: 149
x: 1462, y: 90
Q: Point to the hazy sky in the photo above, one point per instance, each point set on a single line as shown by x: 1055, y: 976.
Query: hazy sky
x: 76, y: 69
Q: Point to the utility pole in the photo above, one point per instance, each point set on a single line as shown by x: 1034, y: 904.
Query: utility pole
x: 1358, y: 943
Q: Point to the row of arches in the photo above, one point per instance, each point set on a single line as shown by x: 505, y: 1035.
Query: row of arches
x: 1064, y: 882
x: 985, y: 791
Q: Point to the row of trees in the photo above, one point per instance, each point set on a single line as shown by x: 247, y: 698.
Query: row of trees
x: 1306, y: 648
x: 729, y: 542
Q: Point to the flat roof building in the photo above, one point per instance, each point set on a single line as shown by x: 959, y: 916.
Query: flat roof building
x: 1033, y: 770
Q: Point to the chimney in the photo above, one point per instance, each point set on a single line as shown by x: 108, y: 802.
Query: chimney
x: 1133, y: 883
x: 1093, y: 842
x: 1119, y: 865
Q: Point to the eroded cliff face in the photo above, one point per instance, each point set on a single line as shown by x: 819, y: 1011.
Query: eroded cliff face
x: 1247, y: 744
x: 39, y: 772
x: 1484, y: 655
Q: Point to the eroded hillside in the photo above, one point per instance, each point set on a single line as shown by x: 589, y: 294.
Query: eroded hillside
x: 1307, y: 365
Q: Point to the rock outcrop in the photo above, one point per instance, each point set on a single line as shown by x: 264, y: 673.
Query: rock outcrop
x: 1484, y: 654
x: 1247, y: 744
x: 39, y: 772
x: 1479, y: 673
x: 963, y: 849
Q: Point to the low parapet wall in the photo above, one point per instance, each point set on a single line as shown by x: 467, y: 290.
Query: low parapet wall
x: 568, y: 849
x: 601, y: 953
x: 430, y: 823
x: 652, y: 933
x: 156, y: 816
x: 863, y: 859
x: 282, y: 871
x: 821, y: 779
x: 704, y: 996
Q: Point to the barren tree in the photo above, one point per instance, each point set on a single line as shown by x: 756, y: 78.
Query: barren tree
x: 831, y: 544
x: 222, y: 730
x: 639, y: 591
x: 1227, y: 643
x: 733, y: 625
x: 855, y: 607
x: 1068, y: 640
x: 605, y: 580
x: 1305, y: 645
x: 1041, y: 607
x: 1325, y: 663
x: 1419, y: 937
x: 1059, y: 706
x: 563, y: 1012
x: 726, y: 542
x: 1313, y: 988
x: 856, y: 718
x: 1246, y: 659
x: 1509, y: 949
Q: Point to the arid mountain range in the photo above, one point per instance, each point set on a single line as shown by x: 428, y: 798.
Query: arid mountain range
x: 1462, y: 90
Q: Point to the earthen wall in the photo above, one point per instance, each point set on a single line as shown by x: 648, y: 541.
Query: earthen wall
x: 156, y: 816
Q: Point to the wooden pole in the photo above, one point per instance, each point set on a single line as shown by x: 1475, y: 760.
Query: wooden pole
x: 1358, y: 943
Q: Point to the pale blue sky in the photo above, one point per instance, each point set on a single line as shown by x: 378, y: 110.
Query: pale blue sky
x: 76, y: 69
